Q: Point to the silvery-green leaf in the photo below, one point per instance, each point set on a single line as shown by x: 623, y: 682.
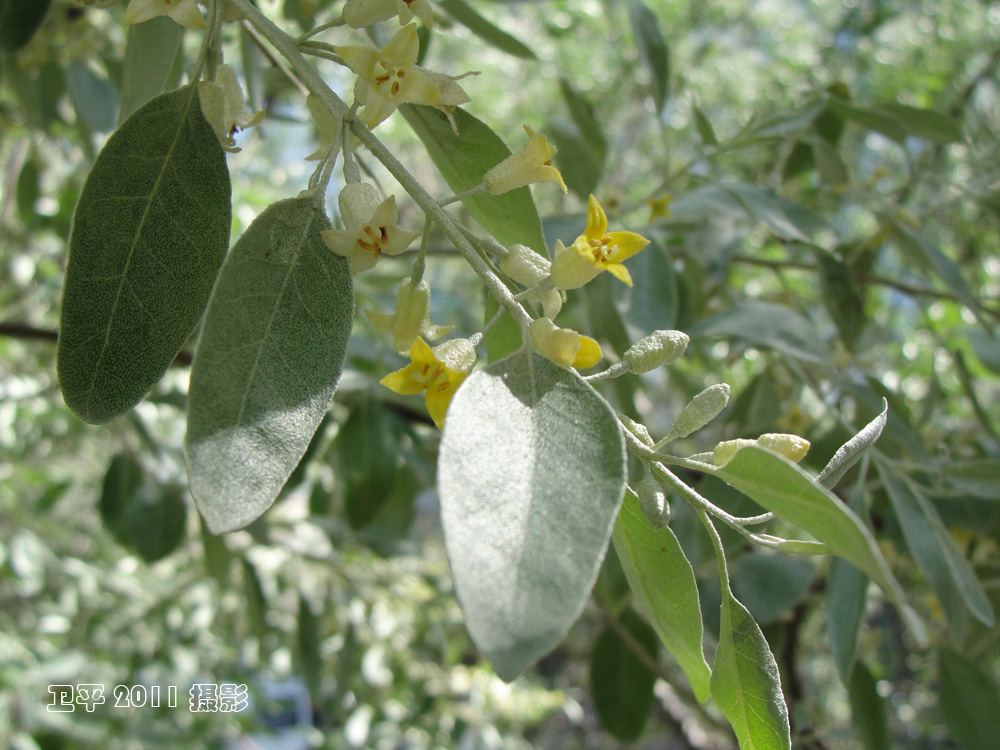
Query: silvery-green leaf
x: 531, y: 474
x: 268, y: 361
x: 150, y: 231
x: 851, y: 452
x: 150, y: 52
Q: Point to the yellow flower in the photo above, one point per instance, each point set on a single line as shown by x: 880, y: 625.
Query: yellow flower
x: 438, y: 371
x: 223, y: 106
x: 565, y: 347
x: 533, y: 163
x: 369, y: 227
x: 361, y: 13
x: 594, y: 251
x: 184, y: 12
x: 411, y: 318
x: 389, y: 77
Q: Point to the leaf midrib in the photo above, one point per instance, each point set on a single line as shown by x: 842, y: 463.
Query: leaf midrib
x: 135, y: 241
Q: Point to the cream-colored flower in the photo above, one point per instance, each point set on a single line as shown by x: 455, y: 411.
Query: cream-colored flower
x: 223, y: 105
x: 361, y: 13
x: 389, y: 77
x: 370, y: 227
x: 527, y: 267
x: 184, y: 12
x: 326, y: 125
x: 565, y: 347
x: 411, y: 318
x: 533, y: 163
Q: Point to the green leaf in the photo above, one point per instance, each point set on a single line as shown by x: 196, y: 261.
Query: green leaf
x: 770, y: 585
x: 620, y: 682
x: 847, y: 590
x: 767, y: 325
x: 843, y: 299
x: 19, y: 20
x: 832, y: 169
x: 970, y: 701
x: 27, y: 192
x: 651, y: 303
x: 582, y: 112
x: 149, y: 234
x: 531, y: 474
x: 745, y: 682
x: 485, y: 30
x: 925, y: 123
x: 984, y: 344
x: 94, y: 97
x: 268, y: 361
x: 463, y: 160
x: 937, y: 554
x: 150, y: 51
x: 140, y: 514
x: 786, y: 490
x: 576, y: 160
x: 308, y: 638
x: 256, y: 604
x: 851, y: 452
x: 664, y: 587
x: 705, y: 130
x: 504, y: 337
x: 947, y: 270
x: 653, y: 50
x: 367, y: 447
x: 868, y: 709
x: 872, y: 119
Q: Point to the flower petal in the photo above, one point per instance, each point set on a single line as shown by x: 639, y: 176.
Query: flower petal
x: 597, y: 220
x: 618, y: 271
x: 402, y: 381
x: 629, y: 243
x: 589, y: 354
x: 402, y: 50
x: 439, y: 397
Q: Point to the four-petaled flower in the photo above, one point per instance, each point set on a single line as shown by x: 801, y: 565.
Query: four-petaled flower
x: 184, y: 12
x: 360, y: 13
x: 411, y: 319
x: 564, y: 346
x: 369, y: 227
x: 533, y: 163
x: 438, y: 371
x: 223, y: 106
x: 594, y: 251
x: 389, y: 77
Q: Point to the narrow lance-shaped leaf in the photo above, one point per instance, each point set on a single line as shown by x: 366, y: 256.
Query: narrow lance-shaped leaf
x: 652, y: 47
x: 868, y: 709
x: 531, y: 474
x: 268, y: 361
x: 463, y: 159
x: 664, y: 587
x: 846, y: 593
x: 620, y: 681
x: 851, y: 452
x: 485, y: 30
x: 746, y: 685
x: 149, y: 234
x: 937, y: 554
x: 970, y: 701
x: 787, y: 491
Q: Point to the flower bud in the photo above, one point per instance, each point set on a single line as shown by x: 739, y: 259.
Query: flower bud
x: 653, y: 501
x: 658, y: 348
x: 792, y: 447
x: 565, y: 347
x: 724, y: 451
x: 701, y: 410
x: 524, y: 265
x: 639, y: 430
x: 456, y: 354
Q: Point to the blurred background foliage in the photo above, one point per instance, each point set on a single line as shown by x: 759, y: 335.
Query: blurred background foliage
x: 820, y: 182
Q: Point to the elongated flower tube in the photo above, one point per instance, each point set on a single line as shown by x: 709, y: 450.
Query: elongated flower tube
x: 594, y: 251
x: 564, y: 346
x: 411, y: 319
x: 438, y: 371
x: 224, y: 108
x: 527, y: 267
x: 184, y: 12
x: 370, y: 227
x: 533, y: 163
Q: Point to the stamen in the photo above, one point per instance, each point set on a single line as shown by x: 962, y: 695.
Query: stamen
x: 394, y: 89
